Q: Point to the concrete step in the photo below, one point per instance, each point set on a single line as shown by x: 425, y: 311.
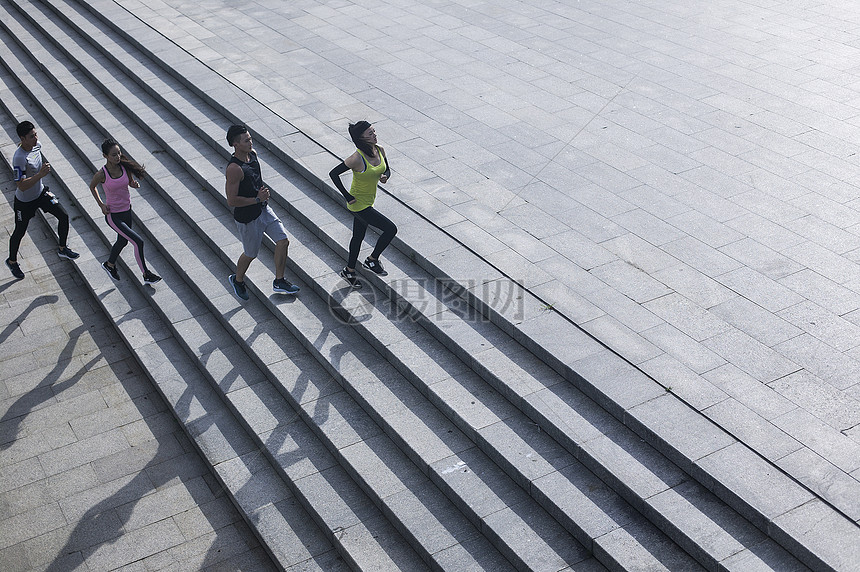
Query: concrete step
x: 247, y: 477
x: 466, y: 342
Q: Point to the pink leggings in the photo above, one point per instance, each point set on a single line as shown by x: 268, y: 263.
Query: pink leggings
x: 121, y: 223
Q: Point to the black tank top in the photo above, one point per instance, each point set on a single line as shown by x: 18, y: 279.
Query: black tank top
x: 249, y: 186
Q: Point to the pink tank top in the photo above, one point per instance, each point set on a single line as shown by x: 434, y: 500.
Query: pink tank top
x: 117, y: 197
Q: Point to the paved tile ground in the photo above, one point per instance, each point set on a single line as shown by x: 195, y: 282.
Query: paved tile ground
x: 679, y: 178
x: 95, y: 474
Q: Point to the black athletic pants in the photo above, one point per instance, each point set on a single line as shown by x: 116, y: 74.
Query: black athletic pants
x: 24, y: 211
x: 362, y: 219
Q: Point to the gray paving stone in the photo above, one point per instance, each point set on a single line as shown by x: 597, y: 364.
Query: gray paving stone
x: 820, y: 399
x: 83, y: 451
x: 685, y: 382
x: 25, y: 498
x: 687, y: 316
x: 306, y: 542
x: 476, y: 402
x: 682, y: 348
x: 340, y: 419
x: 823, y: 291
x: 812, y: 470
x: 412, y: 508
x: 621, y: 339
x: 824, y: 234
x: 825, y: 440
x: 513, y: 448
x: 631, y: 281
x: 694, y: 285
x: 752, y: 429
x: 618, y: 385
x: 70, y: 543
x: 764, y: 556
x: 642, y: 549
x: 252, y: 480
x: 760, y: 289
x: 762, y: 492
x: 761, y: 258
x: 390, y: 551
x: 137, y: 544
x: 823, y: 324
x: 823, y: 261
x: 725, y: 537
x: 751, y: 356
x: 464, y: 554
x: 768, y: 328
x: 823, y: 361
x: 684, y: 436
x: 32, y: 523
x: 535, y: 550
x: 759, y: 397
x: 535, y: 333
x: 818, y: 525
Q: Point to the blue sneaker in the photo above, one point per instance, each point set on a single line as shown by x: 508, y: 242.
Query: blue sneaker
x: 238, y: 287
x: 284, y: 286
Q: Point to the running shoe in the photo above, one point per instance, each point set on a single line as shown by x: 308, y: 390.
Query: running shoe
x: 375, y: 266
x: 151, y: 277
x: 350, y: 277
x: 15, y: 268
x: 284, y: 286
x: 238, y: 287
x: 67, y: 253
x: 111, y: 270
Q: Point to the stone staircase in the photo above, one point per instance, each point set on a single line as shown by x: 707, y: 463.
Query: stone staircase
x: 442, y: 417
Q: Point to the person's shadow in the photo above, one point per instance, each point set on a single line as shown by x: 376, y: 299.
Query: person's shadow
x: 97, y: 535
x: 17, y: 412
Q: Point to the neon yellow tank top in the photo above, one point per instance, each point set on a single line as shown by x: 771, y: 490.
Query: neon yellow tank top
x: 363, y: 186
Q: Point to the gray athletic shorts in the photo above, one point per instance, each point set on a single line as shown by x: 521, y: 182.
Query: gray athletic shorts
x: 251, y: 233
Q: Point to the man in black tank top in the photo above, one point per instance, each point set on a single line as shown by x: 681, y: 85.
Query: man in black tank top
x: 249, y: 186
x: 249, y: 197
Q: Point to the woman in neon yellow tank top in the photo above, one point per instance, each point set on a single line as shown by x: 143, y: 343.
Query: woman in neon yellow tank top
x: 369, y: 167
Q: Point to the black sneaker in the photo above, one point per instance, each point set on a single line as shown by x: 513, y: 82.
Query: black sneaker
x: 15, y: 269
x: 151, y: 277
x: 375, y: 266
x: 238, y: 287
x: 284, y: 286
x: 350, y: 277
x: 111, y: 270
x: 67, y: 253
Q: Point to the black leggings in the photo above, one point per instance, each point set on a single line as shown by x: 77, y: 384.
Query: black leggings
x: 121, y: 223
x: 25, y: 211
x: 362, y: 219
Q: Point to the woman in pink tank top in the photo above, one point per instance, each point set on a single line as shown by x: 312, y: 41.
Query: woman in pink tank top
x: 116, y: 177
